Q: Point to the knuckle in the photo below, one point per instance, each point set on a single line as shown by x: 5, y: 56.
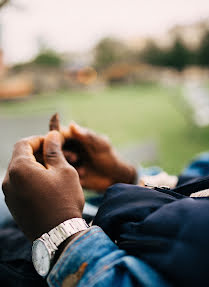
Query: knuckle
x: 92, y: 136
x: 69, y: 170
x: 5, y: 185
x: 66, y: 169
x: 98, y: 142
x: 74, y: 173
x: 13, y: 171
x: 16, y: 168
x: 20, y: 142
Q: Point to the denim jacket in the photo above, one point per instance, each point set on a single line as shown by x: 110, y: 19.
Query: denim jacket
x: 92, y: 259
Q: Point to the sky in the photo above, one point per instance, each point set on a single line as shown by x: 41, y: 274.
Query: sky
x: 76, y: 25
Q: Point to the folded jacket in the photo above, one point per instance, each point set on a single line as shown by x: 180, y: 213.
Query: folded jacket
x: 167, y: 230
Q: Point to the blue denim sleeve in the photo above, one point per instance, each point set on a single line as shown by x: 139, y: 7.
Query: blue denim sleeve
x: 92, y: 259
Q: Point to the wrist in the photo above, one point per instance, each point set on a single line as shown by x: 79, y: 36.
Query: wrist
x: 46, y: 227
x: 63, y: 245
x: 48, y: 248
x: 126, y: 173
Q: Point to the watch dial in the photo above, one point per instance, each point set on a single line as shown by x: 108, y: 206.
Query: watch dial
x: 41, y: 258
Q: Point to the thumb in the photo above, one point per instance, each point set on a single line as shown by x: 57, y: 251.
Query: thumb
x: 52, y: 150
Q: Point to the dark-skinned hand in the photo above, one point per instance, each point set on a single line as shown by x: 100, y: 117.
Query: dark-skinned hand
x: 42, y: 196
x: 96, y: 162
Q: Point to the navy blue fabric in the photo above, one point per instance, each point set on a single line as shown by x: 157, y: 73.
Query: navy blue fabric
x: 16, y: 268
x: 184, y: 179
x: 191, y: 184
x: 165, y: 229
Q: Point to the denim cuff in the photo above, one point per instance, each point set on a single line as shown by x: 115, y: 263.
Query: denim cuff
x: 79, y: 257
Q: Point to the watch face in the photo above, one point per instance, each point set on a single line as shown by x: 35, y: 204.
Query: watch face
x: 41, y: 257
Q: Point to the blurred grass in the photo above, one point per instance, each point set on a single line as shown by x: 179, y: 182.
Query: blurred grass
x: 128, y: 114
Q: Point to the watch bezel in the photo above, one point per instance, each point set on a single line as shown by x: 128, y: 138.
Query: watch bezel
x: 50, y: 254
x: 53, y: 239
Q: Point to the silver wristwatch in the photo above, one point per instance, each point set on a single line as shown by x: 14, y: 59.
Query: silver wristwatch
x: 44, y: 248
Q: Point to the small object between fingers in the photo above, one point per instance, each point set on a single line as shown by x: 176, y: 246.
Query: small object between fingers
x: 54, y: 123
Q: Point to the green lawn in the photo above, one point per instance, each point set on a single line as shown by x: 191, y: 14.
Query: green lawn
x: 128, y: 114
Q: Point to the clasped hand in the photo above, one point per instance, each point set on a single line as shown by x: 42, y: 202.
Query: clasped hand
x: 43, y: 193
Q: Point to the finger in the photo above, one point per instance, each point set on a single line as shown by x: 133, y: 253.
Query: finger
x: 54, y: 124
x: 53, y: 156
x: 23, y: 157
x: 36, y: 143
x: 90, y: 139
x: 81, y: 172
x: 27, y: 147
x: 65, y: 132
x: 70, y: 156
x: 91, y: 180
x: 78, y: 132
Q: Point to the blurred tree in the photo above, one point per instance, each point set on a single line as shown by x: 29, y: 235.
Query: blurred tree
x: 178, y: 56
x: 203, y: 50
x: 152, y: 54
x: 48, y: 58
x: 110, y: 51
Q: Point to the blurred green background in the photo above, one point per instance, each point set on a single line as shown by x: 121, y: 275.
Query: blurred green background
x: 128, y: 115
x: 141, y: 80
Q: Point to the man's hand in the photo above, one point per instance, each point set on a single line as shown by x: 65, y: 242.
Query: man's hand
x: 42, y: 196
x: 95, y: 160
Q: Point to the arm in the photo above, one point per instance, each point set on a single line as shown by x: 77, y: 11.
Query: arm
x: 92, y: 259
x: 42, y: 196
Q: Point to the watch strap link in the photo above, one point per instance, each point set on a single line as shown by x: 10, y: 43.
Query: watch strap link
x: 63, y: 231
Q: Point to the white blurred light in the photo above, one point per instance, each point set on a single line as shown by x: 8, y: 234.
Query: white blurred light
x: 77, y: 25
